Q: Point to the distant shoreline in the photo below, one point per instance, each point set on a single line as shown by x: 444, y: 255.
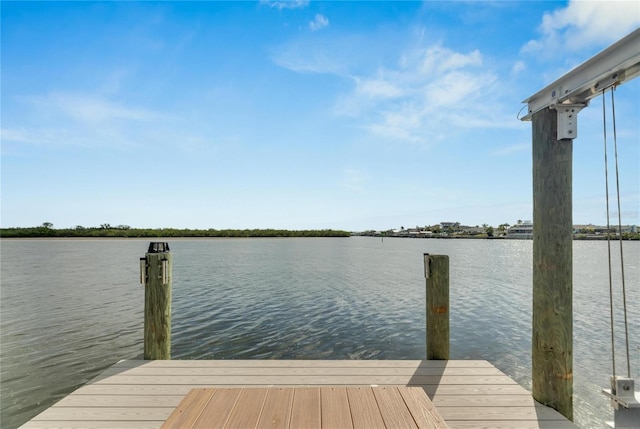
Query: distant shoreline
x: 127, y: 232
x: 179, y: 238
x: 122, y: 231
x: 2, y: 238
x: 576, y: 237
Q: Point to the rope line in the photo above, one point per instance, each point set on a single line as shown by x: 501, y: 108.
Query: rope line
x: 624, y: 291
x: 606, y: 181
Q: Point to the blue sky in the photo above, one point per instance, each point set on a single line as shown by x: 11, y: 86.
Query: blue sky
x: 274, y: 114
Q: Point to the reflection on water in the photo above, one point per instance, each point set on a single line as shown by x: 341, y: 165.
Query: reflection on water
x: 71, y: 308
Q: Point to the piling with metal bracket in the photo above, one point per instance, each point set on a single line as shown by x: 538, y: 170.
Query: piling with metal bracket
x: 552, y: 319
x: 156, y: 276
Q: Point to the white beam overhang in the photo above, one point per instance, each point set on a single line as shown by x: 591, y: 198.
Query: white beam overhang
x: 616, y: 64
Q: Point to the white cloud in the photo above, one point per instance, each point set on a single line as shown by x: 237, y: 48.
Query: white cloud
x: 65, y: 135
x: 377, y: 87
x: 319, y: 22
x: 310, y: 56
x: 84, y: 120
x: 430, y: 91
x: 22, y: 135
x: 433, y: 90
x: 456, y: 87
x: 88, y: 108
x: 585, y: 23
x: 518, y: 67
x: 403, y: 123
x: 285, y: 4
x: 440, y: 60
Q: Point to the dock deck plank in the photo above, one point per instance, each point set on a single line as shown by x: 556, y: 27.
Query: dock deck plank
x: 393, y: 408
x: 305, y: 412
x: 335, y: 409
x: 278, y: 401
x: 143, y: 394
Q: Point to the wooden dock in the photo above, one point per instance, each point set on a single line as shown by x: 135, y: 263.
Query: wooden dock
x: 143, y: 394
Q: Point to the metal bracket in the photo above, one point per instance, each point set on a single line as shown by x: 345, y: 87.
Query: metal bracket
x: 165, y: 271
x: 158, y: 247
x: 427, y: 266
x: 143, y: 271
x: 622, y: 392
x: 625, y: 402
x: 568, y: 119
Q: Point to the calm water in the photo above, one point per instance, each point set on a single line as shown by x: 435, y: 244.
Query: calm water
x: 71, y: 308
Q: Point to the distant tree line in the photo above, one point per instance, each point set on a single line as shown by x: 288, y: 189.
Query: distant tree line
x: 125, y: 231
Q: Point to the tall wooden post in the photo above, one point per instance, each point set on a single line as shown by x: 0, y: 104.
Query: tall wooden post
x: 436, y: 271
x: 157, y: 301
x: 552, y: 330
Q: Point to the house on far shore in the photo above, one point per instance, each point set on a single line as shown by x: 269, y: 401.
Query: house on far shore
x: 522, y: 231
x: 450, y: 226
x: 472, y: 230
x: 630, y: 228
x: 598, y: 230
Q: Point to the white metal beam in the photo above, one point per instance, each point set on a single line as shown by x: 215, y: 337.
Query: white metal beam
x: 618, y: 63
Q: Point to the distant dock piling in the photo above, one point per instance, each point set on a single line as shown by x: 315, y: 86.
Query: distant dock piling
x: 436, y: 271
x: 155, y: 274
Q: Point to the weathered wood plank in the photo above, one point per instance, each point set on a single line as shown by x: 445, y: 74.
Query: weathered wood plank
x: 487, y: 400
x: 280, y: 371
x: 92, y: 424
x: 166, y: 398
x: 335, y: 408
x: 499, y: 413
x: 364, y: 408
x: 328, y: 379
x: 78, y: 399
x: 153, y: 390
x: 518, y: 424
x: 475, y: 389
x: 104, y: 413
x: 303, y: 363
x: 305, y: 412
x: 393, y: 408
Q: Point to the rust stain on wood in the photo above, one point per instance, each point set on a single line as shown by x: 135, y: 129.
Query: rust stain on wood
x: 441, y: 310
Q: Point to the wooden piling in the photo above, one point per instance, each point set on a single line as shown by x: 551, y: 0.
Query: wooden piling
x: 436, y: 269
x: 552, y: 330
x: 157, y: 302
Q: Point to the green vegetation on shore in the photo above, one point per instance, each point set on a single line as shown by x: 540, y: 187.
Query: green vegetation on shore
x: 124, y: 231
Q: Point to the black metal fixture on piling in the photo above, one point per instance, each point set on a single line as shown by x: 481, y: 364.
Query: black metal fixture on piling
x: 155, y: 275
x: 436, y: 272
